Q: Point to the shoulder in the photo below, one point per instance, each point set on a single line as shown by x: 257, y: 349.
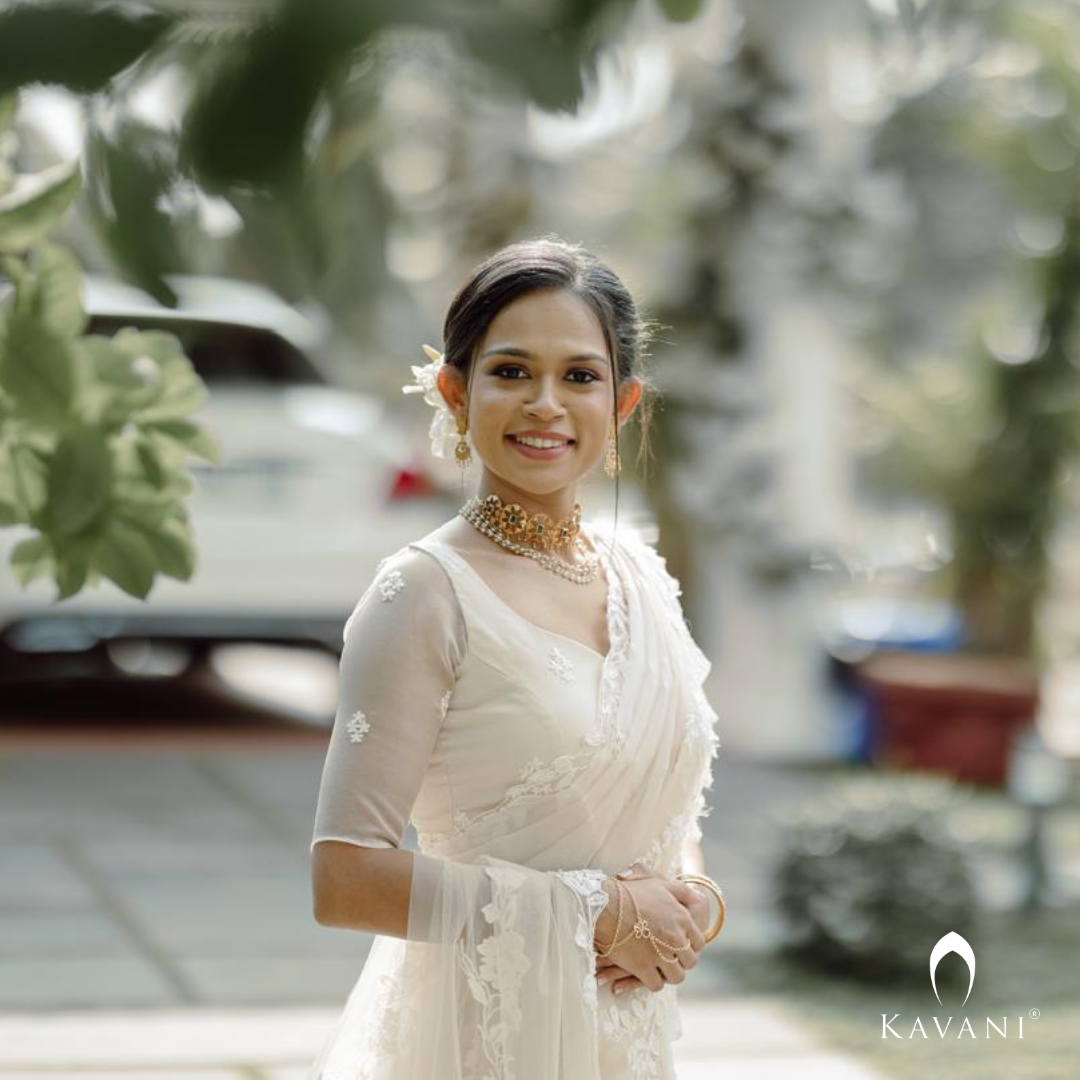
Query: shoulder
x: 637, y: 544
x: 410, y: 588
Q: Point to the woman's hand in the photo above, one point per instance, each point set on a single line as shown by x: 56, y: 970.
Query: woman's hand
x: 637, y: 963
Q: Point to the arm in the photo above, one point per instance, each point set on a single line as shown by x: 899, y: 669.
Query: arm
x: 403, y: 645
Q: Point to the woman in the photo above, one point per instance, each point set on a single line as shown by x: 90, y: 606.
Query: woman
x: 523, y: 685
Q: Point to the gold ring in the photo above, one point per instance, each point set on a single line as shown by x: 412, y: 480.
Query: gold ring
x: 701, y: 879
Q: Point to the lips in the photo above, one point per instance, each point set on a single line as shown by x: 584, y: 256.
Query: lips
x: 541, y: 453
x: 540, y: 435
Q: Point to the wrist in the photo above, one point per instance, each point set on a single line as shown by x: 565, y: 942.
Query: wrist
x: 605, y: 921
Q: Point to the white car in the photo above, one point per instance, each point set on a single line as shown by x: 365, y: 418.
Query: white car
x: 316, y: 486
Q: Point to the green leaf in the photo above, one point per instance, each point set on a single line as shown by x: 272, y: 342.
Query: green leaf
x: 59, y: 290
x: 32, y: 559
x: 80, y: 482
x: 247, y: 124
x: 179, y: 389
x: 171, y: 541
x: 77, y: 45
x: 129, y: 171
x: 29, y: 473
x: 149, y: 476
x: 35, y: 203
x: 680, y: 10
x: 7, y: 111
x: 71, y: 573
x: 191, y: 437
x: 111, y: 388
x: 36, y: 362
x: 126, y: 557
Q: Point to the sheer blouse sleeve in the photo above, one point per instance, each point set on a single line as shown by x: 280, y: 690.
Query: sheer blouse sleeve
x: 404, y: 643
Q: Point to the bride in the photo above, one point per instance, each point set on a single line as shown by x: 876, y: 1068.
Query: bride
x: 522, y: 685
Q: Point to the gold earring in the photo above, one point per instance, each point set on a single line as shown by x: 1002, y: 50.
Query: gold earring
x: 612, y: 461
x: 462, y: 452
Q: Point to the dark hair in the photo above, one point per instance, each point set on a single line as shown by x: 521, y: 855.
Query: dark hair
x: 548, y: 262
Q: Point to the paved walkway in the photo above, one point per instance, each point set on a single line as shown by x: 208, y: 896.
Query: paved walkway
x: 155, y: 908
x: 751, y: 1039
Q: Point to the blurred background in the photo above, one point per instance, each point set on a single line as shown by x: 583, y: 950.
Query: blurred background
x: 228, y: 228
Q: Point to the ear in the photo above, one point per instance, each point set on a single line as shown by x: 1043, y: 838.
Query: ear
x: 451, y: 386
x: 629, y: 395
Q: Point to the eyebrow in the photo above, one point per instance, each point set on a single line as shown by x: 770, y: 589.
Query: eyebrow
x: 513, y: 350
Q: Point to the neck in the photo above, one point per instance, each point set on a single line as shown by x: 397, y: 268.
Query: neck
x: 556, y: 504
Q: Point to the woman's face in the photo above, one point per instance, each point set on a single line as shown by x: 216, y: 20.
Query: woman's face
x: 542, y: 367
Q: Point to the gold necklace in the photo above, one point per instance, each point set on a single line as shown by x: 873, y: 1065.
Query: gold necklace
x: 488, y: 515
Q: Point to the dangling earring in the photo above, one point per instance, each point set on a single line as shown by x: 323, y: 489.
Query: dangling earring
x: 612, y: 461
x: 463, y: 452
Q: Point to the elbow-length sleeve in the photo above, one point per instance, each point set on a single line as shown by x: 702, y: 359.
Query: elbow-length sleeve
x: 404, y: 643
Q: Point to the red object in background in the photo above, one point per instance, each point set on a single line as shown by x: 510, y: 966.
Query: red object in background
x: 951, y: 712
x: 411, y: 480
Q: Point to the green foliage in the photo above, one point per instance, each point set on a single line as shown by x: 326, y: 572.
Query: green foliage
x: 30, y: 208
x: 132, y: 168
x: 868, y: 881
x: 94, y: 432
x: 258, y: 82
x: 680, y: 10
x: 80, y: 46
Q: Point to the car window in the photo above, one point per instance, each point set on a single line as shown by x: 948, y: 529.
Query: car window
x: 225, y: 352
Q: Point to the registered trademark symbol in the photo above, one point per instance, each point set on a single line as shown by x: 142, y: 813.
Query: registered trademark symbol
x: 1034, y: 1014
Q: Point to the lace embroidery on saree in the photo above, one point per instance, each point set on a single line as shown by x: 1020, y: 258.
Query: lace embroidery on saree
x: 589, y: 885
x: 495, y: 981
x: 635, y: 1023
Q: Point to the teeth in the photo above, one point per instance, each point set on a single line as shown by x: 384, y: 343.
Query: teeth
x: 541, y: 444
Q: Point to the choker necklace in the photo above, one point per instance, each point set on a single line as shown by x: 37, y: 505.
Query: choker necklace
x: 534, y: 535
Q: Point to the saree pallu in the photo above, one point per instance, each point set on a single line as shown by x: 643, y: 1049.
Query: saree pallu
x: 496, y: 977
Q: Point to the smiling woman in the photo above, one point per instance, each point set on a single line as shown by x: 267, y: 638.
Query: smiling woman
x: 521, y: 683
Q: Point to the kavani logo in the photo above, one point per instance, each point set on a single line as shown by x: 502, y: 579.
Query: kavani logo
x: 952, y: 942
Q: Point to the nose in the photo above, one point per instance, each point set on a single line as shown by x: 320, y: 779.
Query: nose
x: 546, y: 402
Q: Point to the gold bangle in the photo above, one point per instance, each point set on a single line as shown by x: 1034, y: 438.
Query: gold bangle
x: 701, y: 879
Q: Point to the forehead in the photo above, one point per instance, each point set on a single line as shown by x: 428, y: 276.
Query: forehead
x: 547, y: 321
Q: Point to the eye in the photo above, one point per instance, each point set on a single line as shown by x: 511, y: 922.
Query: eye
x: 502, y: 370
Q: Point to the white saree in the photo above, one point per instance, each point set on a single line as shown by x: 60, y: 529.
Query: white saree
x: 531, y: 766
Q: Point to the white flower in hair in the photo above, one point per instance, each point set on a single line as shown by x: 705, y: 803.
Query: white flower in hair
x: 443, y: 430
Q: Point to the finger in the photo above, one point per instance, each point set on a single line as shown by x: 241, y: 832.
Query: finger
x: 697, y: 938
x: 684, y: 892
x: 610, y: 974
x: 622, y: 985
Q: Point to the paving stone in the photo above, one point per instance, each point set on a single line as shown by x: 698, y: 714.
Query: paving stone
x: 100, y: 981
x: 165, y: 1038
x: 269, y: 980
x: 145, y: 1073
x: 51, y: 933
x: 34, y: 875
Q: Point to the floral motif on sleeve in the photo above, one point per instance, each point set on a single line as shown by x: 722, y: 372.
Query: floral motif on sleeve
x: 357, y: 727
x: 444, y: 704
x: 391, y: 585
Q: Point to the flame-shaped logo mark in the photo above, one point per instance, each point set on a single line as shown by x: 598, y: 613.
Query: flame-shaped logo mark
x: 952, y: 942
